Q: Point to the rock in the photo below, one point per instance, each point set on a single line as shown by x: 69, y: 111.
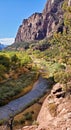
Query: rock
x: 57, y: 91
x: 42, y: 25
x: 62, y: 107
x: 57, y: 88
x: 69, y: 115
x: 31, y: 29
x: 29, y: 127
x: 69, y: 3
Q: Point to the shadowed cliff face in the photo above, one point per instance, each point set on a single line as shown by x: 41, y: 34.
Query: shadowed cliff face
x: 41, y: 25
x: 31, y: 29
x: 53, y: 16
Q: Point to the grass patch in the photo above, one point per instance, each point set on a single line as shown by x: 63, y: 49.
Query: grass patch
x: 15, y: 88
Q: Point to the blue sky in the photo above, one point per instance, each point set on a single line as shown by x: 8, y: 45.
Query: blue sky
x: 12, y: 12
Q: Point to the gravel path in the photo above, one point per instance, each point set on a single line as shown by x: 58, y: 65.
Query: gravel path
x: 18, y: 105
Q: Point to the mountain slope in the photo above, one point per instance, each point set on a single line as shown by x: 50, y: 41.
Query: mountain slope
x: 2, y: 46
x: 42, y: 25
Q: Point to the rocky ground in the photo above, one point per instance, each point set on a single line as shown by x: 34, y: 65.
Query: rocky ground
x: 55, y: 113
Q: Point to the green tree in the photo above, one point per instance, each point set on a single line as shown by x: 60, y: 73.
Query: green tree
x: 2, y: 71
x: 14, y: 58
x: 15, y: 62
x: 26, y: 60
x: 5, y: 61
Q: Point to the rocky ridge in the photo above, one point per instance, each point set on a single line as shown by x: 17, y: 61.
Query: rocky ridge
x: 42, y: 25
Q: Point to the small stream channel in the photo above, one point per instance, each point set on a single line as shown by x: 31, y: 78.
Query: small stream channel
x: 16, y: 106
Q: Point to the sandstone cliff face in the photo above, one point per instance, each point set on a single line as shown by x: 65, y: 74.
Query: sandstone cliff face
x: 31, y: 29
x: 41, y: 25
x: 53, y: 16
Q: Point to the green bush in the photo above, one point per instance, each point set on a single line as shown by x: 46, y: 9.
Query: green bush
x: 5, y: 61
x: 2, y: 70
x: 28, y: 116
x: 14, y: 58
x: 26, y: 60
x: 63, y: 77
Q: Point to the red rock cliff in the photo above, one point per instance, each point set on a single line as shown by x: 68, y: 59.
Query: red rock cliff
x: 41, y: 25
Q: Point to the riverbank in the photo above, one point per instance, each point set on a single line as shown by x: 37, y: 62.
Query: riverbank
x: 20, y: 104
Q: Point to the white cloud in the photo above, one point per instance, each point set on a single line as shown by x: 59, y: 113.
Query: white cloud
x: 7, y: 41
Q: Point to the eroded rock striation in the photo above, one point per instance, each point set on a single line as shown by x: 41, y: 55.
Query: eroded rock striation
x: 42, y: 25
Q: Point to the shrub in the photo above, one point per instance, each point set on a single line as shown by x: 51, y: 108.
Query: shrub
x: 14, y: 58
x: 63, y: 77
x: 5, y: 61
x: 26, y: 60
x: 52, y: 109
x: 28, y: 116
x: 22, y: 120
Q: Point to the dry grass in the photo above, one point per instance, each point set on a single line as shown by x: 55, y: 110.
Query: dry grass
x: 20, y: 121
x: 52, y: 107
